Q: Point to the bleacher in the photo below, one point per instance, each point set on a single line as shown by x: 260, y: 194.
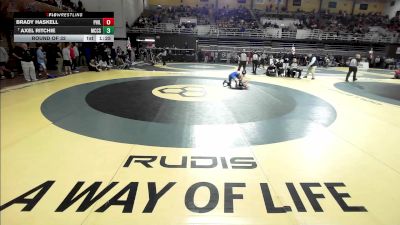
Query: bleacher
x: 282, y: 25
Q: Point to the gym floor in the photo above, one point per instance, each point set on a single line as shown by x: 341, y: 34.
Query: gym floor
x: 171, y: 145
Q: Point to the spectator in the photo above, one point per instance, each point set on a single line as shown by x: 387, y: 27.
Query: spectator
x: 129, y: 52
x: 103, y: 65
x: 16, y: 54
x: 41, y: 60
x: 76, y: 54
x: 88, y: 53
x: 59, y: 59
x: 233, y: 18
x: 119, y: 61
x: 164, y: 57
x: 72, y: 56
x: 59, y: 4
x: 311, y: 66
x: 113, y: 54
x: 94, y: 66
x: 397, y: 74
x: 66, y: 52
x: 3, y: 62
x: 82, y: 56
x: 294, y: 68
x: 28, y: 67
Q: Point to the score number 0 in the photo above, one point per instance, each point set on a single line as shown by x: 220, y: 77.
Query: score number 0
x: 108, y: 21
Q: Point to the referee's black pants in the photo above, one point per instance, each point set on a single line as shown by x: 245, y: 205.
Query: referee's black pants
x: 255, y: 65
x: 164, y: 59
x: 352, y: 69
x: 242, y: 64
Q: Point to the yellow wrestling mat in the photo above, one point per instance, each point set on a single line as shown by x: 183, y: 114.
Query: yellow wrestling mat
x: 120, y: 154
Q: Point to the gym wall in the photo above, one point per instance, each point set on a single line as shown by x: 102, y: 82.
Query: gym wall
x: 392, y: 7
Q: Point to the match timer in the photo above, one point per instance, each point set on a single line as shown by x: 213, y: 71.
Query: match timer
x: 64, y: 27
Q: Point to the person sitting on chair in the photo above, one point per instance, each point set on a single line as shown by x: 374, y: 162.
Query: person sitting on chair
x: 271, y: 69
x: 294, y: 68
x: 93, y: 66
x: 279, y: 67
x: 103, y: 65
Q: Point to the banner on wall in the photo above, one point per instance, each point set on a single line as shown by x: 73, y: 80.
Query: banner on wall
x: 398, y: 51
x: 296, y: 2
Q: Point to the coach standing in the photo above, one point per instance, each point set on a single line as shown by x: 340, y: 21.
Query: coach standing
x: 311, y: 66
x: 28, y: 67
x: 242, y: 60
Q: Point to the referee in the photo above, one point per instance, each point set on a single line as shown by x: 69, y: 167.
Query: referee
x: 353, y: 68
x: 242, y: 60
x: 255, y: 62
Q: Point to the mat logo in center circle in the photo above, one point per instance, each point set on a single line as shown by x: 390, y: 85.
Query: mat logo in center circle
x: 185, y: 92
x: 201, y: 67
x: 188, y: 92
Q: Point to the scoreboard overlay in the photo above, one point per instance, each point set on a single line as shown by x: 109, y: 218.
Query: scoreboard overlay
x: 64, y: 27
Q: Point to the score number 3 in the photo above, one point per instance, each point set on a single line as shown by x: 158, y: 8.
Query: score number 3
x: 108, y: 30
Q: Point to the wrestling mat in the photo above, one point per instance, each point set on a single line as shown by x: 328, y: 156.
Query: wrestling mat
x: 175, y: 147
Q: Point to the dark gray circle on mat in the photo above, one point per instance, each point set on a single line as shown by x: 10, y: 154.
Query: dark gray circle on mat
x: 384, y: 92
x: 131, y: 100
x: 300, y: 115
